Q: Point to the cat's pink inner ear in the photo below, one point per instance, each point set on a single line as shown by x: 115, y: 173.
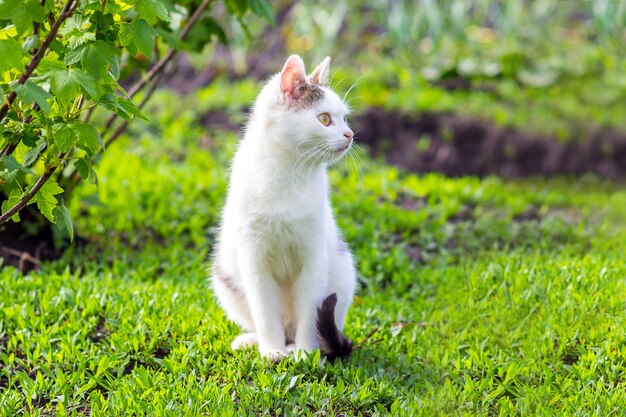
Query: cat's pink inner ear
x: 292, y: 75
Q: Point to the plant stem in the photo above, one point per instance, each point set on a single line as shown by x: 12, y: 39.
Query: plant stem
x: 26, y: 199
x: 152, y: 77
x: 120, y: 129
x: 67, y: 11
x: 160, y: 65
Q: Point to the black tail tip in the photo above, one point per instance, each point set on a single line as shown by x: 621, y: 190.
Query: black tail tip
x: 333, y: 343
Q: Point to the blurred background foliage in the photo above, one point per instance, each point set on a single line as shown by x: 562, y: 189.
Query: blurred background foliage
x: 549, y: 66
x: 513, y: 88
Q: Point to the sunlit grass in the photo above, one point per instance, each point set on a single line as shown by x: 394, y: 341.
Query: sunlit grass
x: 491, y: 297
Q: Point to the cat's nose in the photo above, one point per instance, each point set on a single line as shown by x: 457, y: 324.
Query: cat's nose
x: 348, y: 135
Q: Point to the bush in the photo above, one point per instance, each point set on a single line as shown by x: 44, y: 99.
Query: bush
x: 61, y: 62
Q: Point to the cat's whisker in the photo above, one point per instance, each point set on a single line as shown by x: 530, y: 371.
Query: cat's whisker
x: 336, y: 86
x: 351, y: 99
x: 355, y: 160
x: 332, y: 78
x: 304, y: 158
x: 354, y: 84
x: 306, y: 142
x: 318, y: 160
x: 327, y: 152
x: 313, y: 155
x: 354, y: 112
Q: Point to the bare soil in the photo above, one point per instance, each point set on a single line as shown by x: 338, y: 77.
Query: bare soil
x: 26, y: 244
x: 458, y: 145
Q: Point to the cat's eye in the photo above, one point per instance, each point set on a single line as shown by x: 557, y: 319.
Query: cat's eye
x: 324, y: 118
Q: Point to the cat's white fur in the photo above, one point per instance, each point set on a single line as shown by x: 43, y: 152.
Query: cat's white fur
x: 280, y: 252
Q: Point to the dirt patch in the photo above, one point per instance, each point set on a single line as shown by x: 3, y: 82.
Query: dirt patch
x: 25, y: 250
x: 458, y: 145
x: 99, y: 332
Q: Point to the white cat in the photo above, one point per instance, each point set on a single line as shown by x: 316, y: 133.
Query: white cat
x: 281, y: 265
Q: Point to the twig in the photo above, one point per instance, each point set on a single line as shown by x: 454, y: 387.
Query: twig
x: 24, y: 201
x: 67, y: 11
x: 8, y: 150
x: 365, y: 339
x: 152, y: 77
x: 160, y: 65
x: 22, y: 257
x: 120, y: 129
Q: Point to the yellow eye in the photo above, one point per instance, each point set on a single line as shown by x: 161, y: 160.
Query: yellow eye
x: 324, y: 118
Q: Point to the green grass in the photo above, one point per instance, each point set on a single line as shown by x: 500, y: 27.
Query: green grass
x: 491, y: 297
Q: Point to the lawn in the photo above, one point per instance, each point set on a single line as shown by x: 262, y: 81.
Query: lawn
x: 477, y: 296
x: 490, y: 297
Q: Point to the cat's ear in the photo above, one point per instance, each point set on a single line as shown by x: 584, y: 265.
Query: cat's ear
x: 320, y: 74
x: 291, y: 77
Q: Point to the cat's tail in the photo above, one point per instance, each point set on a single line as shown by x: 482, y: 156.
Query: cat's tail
x: 333, y: 343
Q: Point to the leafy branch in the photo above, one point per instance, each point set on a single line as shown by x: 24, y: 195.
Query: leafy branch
x: 67, y: 11
x: 156, y: 69
x: 29, y: 195
x: 152, y: 77
x: 47, y: 98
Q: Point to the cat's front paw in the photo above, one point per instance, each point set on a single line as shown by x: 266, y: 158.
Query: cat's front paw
x: 244, y: 340
x: 274, y: 355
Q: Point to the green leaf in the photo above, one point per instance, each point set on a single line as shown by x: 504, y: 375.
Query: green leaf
x: 83, y: 166
x: 22, y: 13
x: 170, y: 38
x: 87, y: 137
x: 236, y: 7
x: 67, y: 83
x: 64, y: 137
x: 11, y: 163
x: 200, y: 33
x: 29, y: 138
x: 63, y: 220
x: 109, y: 101
x: 11, y: 170
x: 31, y: 156
x: 31, y: 43
x: 138, y: 36
x: 45, y: 198
x: 7, y: 177
x: 245, y: 28
x: 94, y: 57
x: 14, y: 197
x: 12, y: 54
x: 152, y: 11
x: 30, y: 92
x: 130, y: 108
x: 214, y: 28
x: 126, y: 109
x: 76, y: 30
x: 264, y: 9
x: 85, y: 169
